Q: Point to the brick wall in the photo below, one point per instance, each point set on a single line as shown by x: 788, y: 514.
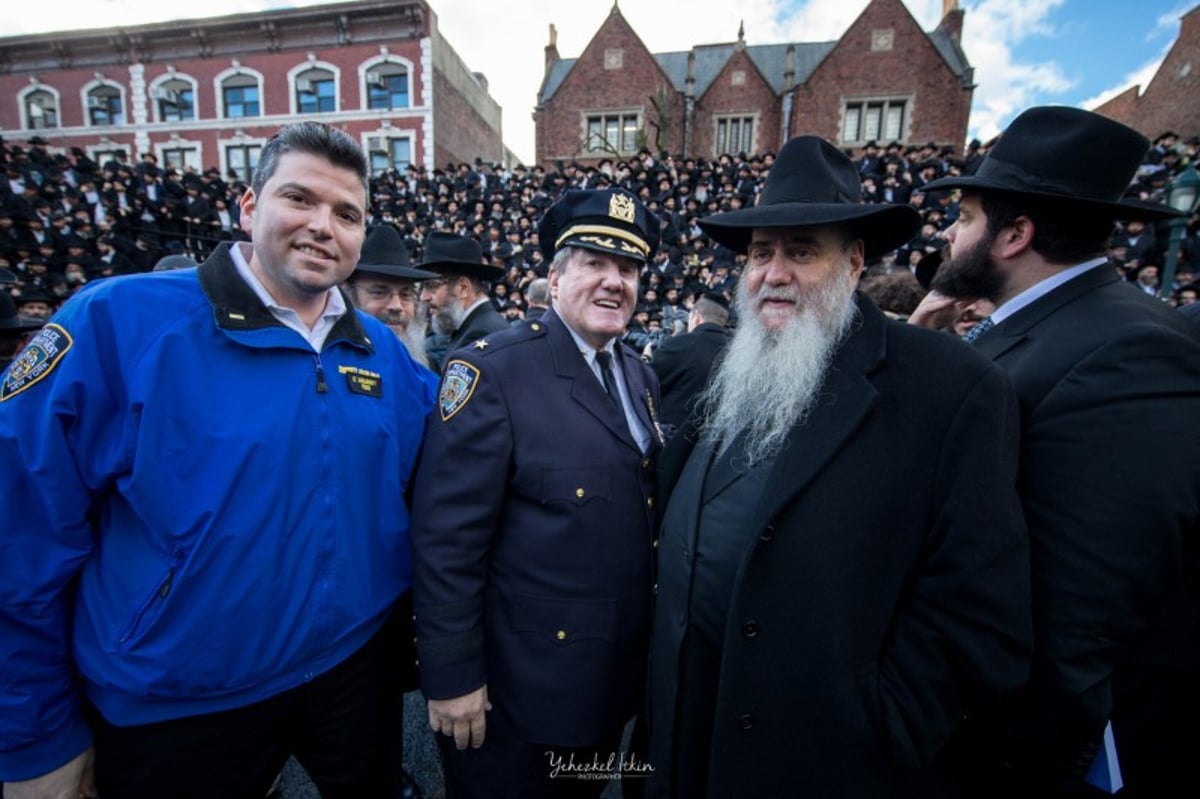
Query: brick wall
x: 739, y: 90
x: 938, y: 103
x: 1169, y: 101
x: 591, y: 87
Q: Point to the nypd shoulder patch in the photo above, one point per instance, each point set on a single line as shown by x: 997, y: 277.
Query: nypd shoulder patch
x: 458, y: 384
x: 38, y: 359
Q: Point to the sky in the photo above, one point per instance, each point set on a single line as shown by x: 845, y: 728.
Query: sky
x: 1025, y: 52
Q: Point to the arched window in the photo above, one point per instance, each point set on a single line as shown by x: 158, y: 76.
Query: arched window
x: 316, y: 91
x: 41, y: 109
x: 240, y: 94
x: 174, y: 98
x: 105, y: 106
x: 387, y: 86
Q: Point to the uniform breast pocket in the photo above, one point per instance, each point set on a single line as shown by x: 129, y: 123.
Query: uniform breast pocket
x: 565, y: 621
x: 575, y: 486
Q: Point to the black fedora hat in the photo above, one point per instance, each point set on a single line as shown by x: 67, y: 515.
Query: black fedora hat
x: 1071, y: 156
x: 814, y: 183
x: 11, y: 320
x: 451, y: 254
x: 384, y: 253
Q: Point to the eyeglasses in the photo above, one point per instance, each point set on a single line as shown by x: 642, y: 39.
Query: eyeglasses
x: 433, y: 284
x: 383, y: 293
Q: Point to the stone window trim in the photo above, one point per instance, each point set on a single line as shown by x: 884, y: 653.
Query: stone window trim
x: 735, y: 132
x: 611, y: 131
x: 238, y: 75
x: 881, y: 119
x: 25, y: 103
x: 389, y: 64
x: 94, y: 98
x: 160, y: 93
x: 297, y: 76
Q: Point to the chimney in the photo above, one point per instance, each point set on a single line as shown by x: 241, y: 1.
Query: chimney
x: 952, y: 19
x: 691, y: 74
x: 789, y: 69
x: 552, y: 48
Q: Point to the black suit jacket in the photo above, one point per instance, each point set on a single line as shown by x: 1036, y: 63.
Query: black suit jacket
x: 533, y: 521
x: 1108, y: 381
x: 479, y: 322
x: 684, y: 364
x: 875, y: 603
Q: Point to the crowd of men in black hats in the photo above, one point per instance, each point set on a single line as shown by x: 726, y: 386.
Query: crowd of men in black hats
x: 66, y: 220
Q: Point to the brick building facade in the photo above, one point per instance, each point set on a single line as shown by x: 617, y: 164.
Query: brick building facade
x: 210, y: 92
x: 1169, y: 102
x: 884, y: 79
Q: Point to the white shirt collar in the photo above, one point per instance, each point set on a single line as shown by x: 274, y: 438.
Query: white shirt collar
x: 1041, y: 289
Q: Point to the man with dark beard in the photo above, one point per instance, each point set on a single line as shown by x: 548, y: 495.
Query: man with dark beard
x: 831, y: 599
x: 1108, y: 381
x: 383, y: 285
x: 458, y: 300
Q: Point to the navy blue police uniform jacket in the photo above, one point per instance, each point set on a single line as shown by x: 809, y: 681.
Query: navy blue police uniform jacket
x: 533, y: 536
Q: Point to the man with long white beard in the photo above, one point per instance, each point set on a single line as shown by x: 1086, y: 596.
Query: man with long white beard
x: 843, y: 567
x: 384, y: 285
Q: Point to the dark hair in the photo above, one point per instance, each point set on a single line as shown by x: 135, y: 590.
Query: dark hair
x: 315, y: 138
x: 1062, y: 234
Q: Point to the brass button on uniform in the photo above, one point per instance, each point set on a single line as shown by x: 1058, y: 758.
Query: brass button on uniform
x: 579, y: 492
x: 750, y: 629
x: 649, y: 502
x: 561, y: 635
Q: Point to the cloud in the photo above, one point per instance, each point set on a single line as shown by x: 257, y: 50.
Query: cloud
x: 1139, y: 77
x: 992, y: 32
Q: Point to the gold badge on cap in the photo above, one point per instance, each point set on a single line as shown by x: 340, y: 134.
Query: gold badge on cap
x: 620, y: 206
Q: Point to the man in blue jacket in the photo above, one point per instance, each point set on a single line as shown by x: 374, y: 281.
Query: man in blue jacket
x: 205, y: 530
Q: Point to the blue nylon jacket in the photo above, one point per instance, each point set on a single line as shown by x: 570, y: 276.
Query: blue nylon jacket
x: 200, y: 511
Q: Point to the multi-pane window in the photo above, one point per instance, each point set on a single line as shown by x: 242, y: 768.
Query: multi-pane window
x: 387, y: 87
x: 41, y: 109
x: 612, y: 133
x: 181, y: 157
x: 104, y: 106
x: 735, y: 134
x: 239, y: 97
x: 868, y: 120
x: 242, y: 159
x: 389, y: 153
x: 176, y: 101
x: 315, y: 92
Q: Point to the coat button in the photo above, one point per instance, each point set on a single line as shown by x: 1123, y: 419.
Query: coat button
x: 561, y: 635
x: 649, y: 502
x: 746, y: 722
x: 750, y: 629
x: 645, y: 463
x: 654, y: 590
x: 654, y: 544
x: 579, y: 493
x: 768, y: 533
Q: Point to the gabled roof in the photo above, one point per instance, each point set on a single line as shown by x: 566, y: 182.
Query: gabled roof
x: 771, y: 60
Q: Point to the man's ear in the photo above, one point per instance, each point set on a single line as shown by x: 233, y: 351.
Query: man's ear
x: 1016, y: 238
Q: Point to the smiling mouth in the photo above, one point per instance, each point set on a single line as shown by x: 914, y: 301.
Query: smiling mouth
x: 611, y: 305
x: 315, y: 252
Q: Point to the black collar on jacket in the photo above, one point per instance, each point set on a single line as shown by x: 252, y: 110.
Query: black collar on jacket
x: 237, y: 307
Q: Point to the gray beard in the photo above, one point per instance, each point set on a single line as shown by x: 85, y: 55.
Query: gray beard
x: 769, y: 380
x: 447, y: 320
x: 413, y: 337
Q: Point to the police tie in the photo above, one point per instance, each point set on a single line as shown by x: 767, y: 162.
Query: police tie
x: 982, y: 327
x: 610, y: 381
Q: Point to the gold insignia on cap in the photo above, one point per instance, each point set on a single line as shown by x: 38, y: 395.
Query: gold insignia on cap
x: 620, y: 206
x: 603, y: 242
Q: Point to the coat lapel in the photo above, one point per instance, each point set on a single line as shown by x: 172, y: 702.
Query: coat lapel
x: 846, y: 398
x: 586, y: 389
x: 1012, y: 331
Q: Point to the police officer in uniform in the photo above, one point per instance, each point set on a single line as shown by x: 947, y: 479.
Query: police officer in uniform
x: 535, y: 511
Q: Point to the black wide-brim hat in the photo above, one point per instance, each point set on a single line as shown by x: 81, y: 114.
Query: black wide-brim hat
x: 10, y: 320
x: 384, y: 253
x: 814, y: 183
x: 1082, y: 160
x: 451, y: 254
